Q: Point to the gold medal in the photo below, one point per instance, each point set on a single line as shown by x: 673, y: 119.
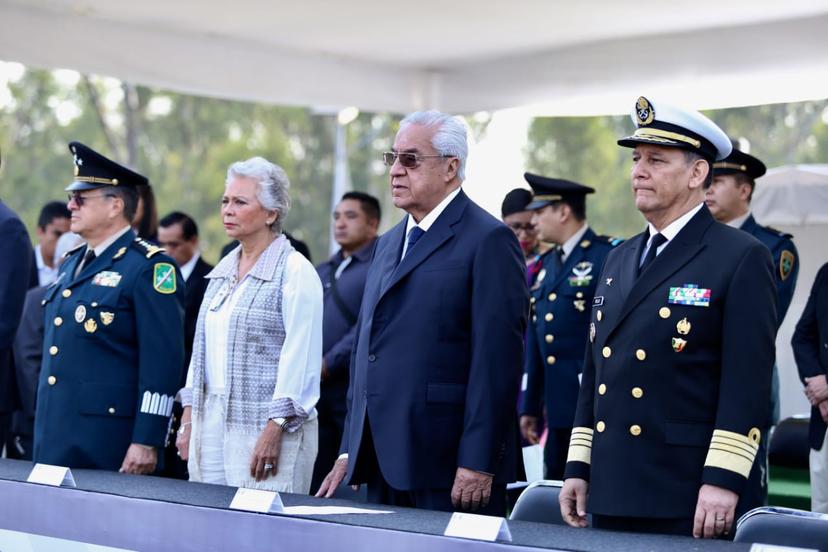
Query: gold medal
x: 678, y: 344
x: 683, y: 326
x: 107, y: 318
x: 90, y: 325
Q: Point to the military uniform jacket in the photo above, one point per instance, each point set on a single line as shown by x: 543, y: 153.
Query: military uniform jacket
x: 558, y: 333
x: 112, y: 356
x: 677, y: 372
x: 785, y: 261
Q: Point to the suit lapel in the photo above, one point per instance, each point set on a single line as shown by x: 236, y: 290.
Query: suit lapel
x: 440, y: 232
x: 576, y: 256
x: 100, y: 263
x: 680, y: 251
x: 629, y: 263
x: 387, y: 257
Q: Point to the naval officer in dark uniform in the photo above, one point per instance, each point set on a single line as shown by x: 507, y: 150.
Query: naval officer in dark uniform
x: 113, y: 345
x: 677, y: 373
x: 561, y: 298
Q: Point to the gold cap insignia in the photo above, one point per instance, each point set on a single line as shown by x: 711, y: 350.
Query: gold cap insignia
x: 644, y: 111
x: 90, y: 325
x: 678, y: 344
x: 107, y: 318
x: 683, y: 326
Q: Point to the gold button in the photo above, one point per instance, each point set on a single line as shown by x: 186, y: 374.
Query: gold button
x: 53, y: 350
x: 112, y: 410
x: 641, y: 354
x: 602, y: 389
x: 664, y: 312
x: 600, y: 426
x: 548, y: 317
x: 637, y: 392
x: 52, y: 380
x: 599, y: 315
x: 579, y: 295
x: 549, y: 338
x: 552, y: 296
x: 58, y: 321
x: 635, y: 430
x: 66, y: 292
x: 550, y: 359
x: 607, y: 352
x: 94, y: 304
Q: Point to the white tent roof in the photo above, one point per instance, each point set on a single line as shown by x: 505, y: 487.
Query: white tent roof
x: 462, y: 56
x: 792, y: 195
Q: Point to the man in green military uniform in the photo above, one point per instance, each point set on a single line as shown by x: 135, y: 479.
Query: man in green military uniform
x: 113, y: 345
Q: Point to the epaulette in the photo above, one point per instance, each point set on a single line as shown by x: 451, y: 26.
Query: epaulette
x: 779, y: 233
x: 146, y: 248
x: 613, y: 241
x: 73, y: 250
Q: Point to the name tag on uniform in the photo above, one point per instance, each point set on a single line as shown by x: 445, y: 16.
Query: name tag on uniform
x: 106, y: 278
x: 689, y: 294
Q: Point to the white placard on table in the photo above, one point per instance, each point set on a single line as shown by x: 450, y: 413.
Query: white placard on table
x: 330, y: 510
x: 758, y: 547
x: 476, y: 526
x: 56, y: 476
x: 255, y: 500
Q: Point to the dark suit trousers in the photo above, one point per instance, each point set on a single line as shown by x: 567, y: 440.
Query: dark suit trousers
x: 5, y: 430
x: 380, y: 492
x: 332, y: 409
x: 555, y: 451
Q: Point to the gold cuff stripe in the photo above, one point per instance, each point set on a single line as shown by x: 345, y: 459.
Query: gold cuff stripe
x: 658, y: 135
x: 728, y: 461
x: 733, y: 450
x: 737, y: 445
x: 584, y: 431
x: 579, y: 454
x: 751, y: 440
x: 96, y: 180
x: 580, y: 442
x: 735, y: 166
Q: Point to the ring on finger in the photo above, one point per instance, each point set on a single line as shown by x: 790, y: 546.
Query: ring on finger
x: 268, y: 467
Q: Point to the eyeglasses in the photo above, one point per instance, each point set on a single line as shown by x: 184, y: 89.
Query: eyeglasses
x: 528, y: 227
x: 81, y: 199
x: 407, y: 160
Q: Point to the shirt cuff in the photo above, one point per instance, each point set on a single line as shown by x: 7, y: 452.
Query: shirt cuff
x: 343, y: 456
x: 289, y: 409
x: 186, y: 396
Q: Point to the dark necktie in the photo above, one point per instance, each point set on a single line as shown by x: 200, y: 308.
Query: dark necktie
x: 657, y: 241
x: 88, y: 258
x: 558, y: 258
x: 414, y: 236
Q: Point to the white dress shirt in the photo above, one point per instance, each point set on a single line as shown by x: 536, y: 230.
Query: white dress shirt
x: 188, y: 267
x: 738, y: 221
x: 670, y: 231
x: 45, y: 274
x: 569, y: 245
x: 428, y: 220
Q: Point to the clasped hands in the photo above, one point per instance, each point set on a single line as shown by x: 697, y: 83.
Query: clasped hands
x: 816, y: 390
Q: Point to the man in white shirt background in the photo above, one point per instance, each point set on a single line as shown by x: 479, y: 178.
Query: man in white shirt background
x: 52, y: 223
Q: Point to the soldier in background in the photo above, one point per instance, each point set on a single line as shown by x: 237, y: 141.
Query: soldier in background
x: 559, y: 325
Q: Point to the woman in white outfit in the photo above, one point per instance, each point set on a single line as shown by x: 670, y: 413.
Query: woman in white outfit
x: 249, y: 403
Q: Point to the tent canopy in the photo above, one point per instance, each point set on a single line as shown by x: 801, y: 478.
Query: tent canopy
x: 560, y: 58
x: 793, y: 195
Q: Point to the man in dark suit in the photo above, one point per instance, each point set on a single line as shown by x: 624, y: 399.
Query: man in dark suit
x: 16, y: 253
x: 178, y: 235
x: 561, y: 298
x: 810, y: 347
x: 436, y: 364
x: 677, y: 373
x: 356, y: 220
x: 113, y: 348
